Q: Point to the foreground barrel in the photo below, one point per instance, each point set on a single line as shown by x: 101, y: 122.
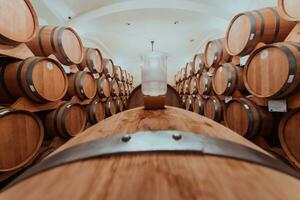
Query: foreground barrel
x: 63, y: 42
x: 21, y: 138
x: 213, y: 109
x: 247, y: 119
x: 39, y: 79
x: 289, y: 136
x: 95, y: 112
x: 246, y: 30
x: 18, y: 22
x: 169, y: 175
x: 93, y: 60
x: 289, y: 9
x: 82, y: 85
x: 66, y: 121
x: 273, y: 71
x: 215, y: 53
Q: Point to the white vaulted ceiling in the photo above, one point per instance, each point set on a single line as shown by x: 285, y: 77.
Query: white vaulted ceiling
x: 103, y: 24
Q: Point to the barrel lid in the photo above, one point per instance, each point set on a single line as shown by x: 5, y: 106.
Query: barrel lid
x: 289, y: 9
x: 72, y: 45
x: 75, y: 119
x: 23, y: 16
x: 238, y: 34
x: 89, y: 86
x: 220, y: 80
x: 210, y: 53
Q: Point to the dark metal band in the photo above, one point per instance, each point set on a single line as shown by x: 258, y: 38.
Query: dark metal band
x: 56, y: 120
x: 52, y: 39
x: 40, y: 43
x: 162, y: 141
x: 236, y: 80
x: 63, y: 119
x: 262, y: 25
x: 277, y: 27
x: 260, y: 118
x: 19, y: 76
x: 61, y: 47
x: 229, y: 79
x: 81, y: 85
x: 250, y: 118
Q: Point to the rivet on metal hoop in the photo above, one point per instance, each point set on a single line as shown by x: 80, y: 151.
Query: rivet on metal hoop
x: 177, y: 136
x: 126, y: 138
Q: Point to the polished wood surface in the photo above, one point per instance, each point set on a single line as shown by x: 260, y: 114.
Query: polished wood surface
x: 93, y: 60
x: 136, y: 98
x: 18, y: 22
x: 157, y: 175
x: 21, y: 138
x: 241, y: 40
x: 40, y: 79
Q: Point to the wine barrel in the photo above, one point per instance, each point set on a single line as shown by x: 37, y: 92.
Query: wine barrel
x: 118, y: 74
x: 181, y: 85
x: 82, y: 84
x: 110, y: 107
x: 115, y: 88
x: 124, y: 75
x: 109, y: 68
x: 188, y: 70
x: 205, y: 83
x: 227, y: 79
x: 198, y: 64
x: 186, y: 89
x: 246, y: 30
x: 95, y: 112
x: 136, y: 98
x: 66, y: 121
x: 189, y: 103
x: 289, y: 9
x: 215, y: 53
x: 273, y: 71
x: 182, y: 74
x: 247, y: 119
x: 213, y: 109
x: 289, y: 136
x: 178, y: 77
x: 21, y: 138
x: 122, y: 88
x: 104, y: 87
x: 198, y: 105
x: 158, y: 174
x: 18, y: 22
x: 183, y: 100
x: 193, y: 85
x: 63, y: 42
x: 93, y: 60
x: 39, y: 79
x: 119, y: 104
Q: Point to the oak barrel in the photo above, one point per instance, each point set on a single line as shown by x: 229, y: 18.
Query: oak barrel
x: 104, y: 87
x: 183, y: 74
x: 227, y: 79
x: 247, y: 29
x: 115, y: 88
x: 213, y: 109
x: 63, y: 42
x: 66, y: 121
x: 289, y: 9
x: 21, y: 138
x: 158, y: 175
x: 39, y: 79
x: 193, y: 85
x: 188, y: 69
x: 186, y: 86
x: 198, y: 64
x: 215, y: 53
x: 289, y: 136
x: 82, y: 84
x: 273, y: 71
x: 205, y: 83
x: 198, y: 105
x: 110, y: 107
x: 189, y: 103
x: 95, y: 112
x: 109, y: 68
x: 248, y: 119
x: 93, y: 60
x: 120, y: 104
x: 18, y: 22
x: 118, y: 74
x: 136, y: 98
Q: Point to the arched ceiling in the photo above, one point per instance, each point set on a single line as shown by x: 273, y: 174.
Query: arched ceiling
x: 105, y: 24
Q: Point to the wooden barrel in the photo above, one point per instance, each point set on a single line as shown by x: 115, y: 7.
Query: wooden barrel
x: 136, y: 98
x: 215, y: 53
x: 193, y: 85
x: 82, y: 84
x: 182, y: 74
x: 180, y: 88
x: 183, y: 100
x: 213, y: 109
x: 122, y: 88
x: 168, y: 175
x: 118, y: 74
x: 227, y: 79
x: 66, y: 121
x: 119, y: 104
x: 289, y: 9
x: 189, y: 103
x: 21, y: 138
x: 273, y: 71
x: 205, y: 83
x: 198, y: 105
x: 178, y: 77
x: 93, y: 60
x: 247, y: 29
x: 39, y: 79
x: 110, y: 107
x: 95, y: 112
x: 186, y: 89
x: 247, y: 119
x: 289, y: 136
x: 63, y: 42
x: 115, y: 88
x: 188, y: 69
x: 109, y: 68
x: 198, y: 64
x: 18, y: 22
x: 124, y: 75
x: 104, y: 87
